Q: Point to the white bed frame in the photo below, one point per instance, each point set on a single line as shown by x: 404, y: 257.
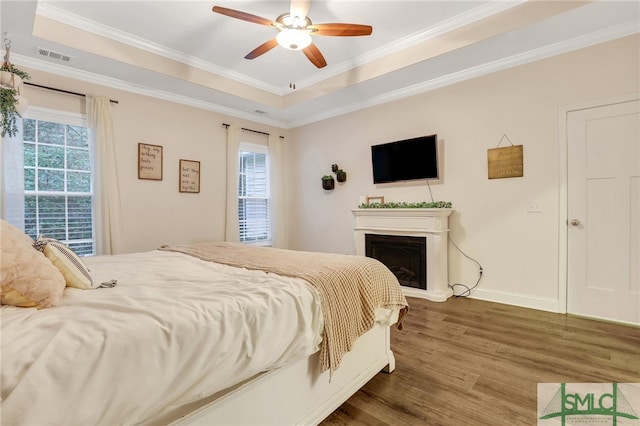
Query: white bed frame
x: 298, y: 394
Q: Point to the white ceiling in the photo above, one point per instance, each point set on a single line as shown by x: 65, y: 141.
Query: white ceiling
x: 182, y: 51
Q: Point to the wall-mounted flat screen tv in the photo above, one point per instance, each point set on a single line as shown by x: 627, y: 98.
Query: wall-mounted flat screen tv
x: 407, y: 159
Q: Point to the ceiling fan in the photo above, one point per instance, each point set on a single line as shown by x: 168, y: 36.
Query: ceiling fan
x: 295, y: 30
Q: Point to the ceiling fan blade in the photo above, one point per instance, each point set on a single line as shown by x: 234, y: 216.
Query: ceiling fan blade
x: 242, y: 15
x: 314, y: 55
x: 262, y: 49
x: 341, y: 30
x: 299, y: 8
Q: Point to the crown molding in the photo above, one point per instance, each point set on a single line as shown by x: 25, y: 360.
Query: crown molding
x: 114, y: 83
x: 458, y: 21
x: 566, y: 46
x: 435, y: 83
x: 57, y: 14
x: 443, y: 27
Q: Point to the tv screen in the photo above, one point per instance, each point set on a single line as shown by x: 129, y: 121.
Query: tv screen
x: 408, y: 159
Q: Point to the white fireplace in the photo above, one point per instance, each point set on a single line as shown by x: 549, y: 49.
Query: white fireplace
x: 430, y: 224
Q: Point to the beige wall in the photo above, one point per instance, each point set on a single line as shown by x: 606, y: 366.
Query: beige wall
x: 154, y: 212
x: 518, y: 250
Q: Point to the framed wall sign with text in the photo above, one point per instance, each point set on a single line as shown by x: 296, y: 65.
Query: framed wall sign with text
x: 149, y: 161
x: 189, y: 176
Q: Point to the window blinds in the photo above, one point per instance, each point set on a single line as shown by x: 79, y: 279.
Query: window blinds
x: 58, y: 195
x: 253, y: 195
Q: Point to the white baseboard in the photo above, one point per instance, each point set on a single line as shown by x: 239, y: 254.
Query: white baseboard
x: 533, y: 302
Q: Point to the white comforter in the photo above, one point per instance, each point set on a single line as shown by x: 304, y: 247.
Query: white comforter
x: 174, y: 329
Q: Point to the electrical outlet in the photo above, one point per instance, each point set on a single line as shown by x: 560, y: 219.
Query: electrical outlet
x: 534, y: 207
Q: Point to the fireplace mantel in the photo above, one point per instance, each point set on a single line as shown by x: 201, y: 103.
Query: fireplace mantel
x: 432, y: 224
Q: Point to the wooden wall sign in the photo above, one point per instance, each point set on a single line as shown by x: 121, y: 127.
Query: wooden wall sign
x: 189, y: 176
x: 149, y: 161
x: 505, y: 162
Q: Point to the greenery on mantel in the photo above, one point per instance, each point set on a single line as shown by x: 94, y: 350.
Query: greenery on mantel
x: 403, y: 205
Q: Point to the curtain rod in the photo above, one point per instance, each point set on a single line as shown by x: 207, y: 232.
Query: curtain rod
x: 226, y: 126
x: 68, y: 92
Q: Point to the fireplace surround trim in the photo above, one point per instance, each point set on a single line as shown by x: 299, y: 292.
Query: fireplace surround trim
x: 432, y: 224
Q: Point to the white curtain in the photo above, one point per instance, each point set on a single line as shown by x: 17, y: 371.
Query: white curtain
x: 232, y: 231
x: 12, y: 176
x: 278, y: 219
x: 108, y: 224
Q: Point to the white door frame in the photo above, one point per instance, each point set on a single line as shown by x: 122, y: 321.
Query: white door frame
x: 563, y: 196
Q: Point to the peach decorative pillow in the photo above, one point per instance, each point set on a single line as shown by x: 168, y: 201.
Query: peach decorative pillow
x: 27, y: 278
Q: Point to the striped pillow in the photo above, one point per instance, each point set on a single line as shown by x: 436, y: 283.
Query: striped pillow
x: 72, y: 267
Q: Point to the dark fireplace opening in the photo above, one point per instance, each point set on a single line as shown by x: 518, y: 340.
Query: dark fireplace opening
x: 405, y: 256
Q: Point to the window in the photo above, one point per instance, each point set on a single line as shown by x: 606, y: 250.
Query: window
x: 58, y: 192
x: 253, y: 195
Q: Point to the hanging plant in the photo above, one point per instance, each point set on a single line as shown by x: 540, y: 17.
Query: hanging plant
x: 8, y: 102
x: 12, y: 76
x: 328, y: 183
x: 341, y: 175
x: 11, y: 102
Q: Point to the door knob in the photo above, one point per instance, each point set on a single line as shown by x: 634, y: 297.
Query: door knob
x: 575, y: 222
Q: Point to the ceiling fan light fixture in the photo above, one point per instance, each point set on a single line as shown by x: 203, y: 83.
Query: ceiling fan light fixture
x: 293, y: 21
x: 295, y: 30
x: 293, y: 39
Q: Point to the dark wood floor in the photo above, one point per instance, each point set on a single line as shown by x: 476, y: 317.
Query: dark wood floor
x: 470, y: 362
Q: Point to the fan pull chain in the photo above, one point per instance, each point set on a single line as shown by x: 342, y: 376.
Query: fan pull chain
x: 292, y: 85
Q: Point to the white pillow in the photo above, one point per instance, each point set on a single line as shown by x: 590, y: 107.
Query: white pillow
x: 73, y: 268
x: 27, y: 277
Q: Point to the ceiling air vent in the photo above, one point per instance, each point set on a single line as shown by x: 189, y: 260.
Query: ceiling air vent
x: 53, y: 55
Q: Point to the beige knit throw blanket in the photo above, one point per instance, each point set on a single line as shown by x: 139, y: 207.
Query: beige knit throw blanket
x: 350, y: 287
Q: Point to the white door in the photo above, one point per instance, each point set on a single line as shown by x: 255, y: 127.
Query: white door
x: 604, y: 212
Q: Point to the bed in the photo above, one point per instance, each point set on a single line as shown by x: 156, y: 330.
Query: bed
x: 183, y: 339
